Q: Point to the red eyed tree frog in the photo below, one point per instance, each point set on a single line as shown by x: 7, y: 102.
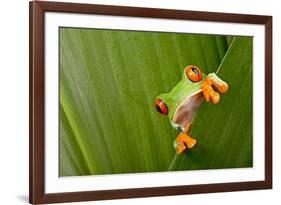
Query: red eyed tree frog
x: 182, y: 102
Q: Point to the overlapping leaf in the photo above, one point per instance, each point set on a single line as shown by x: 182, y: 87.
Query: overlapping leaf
x: 224, y: 131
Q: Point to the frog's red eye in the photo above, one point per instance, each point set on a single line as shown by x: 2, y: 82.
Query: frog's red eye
x: 161, y: 106
x: 193, y: 73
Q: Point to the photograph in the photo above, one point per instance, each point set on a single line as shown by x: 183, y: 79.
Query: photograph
x: 138, y: 102
x: 129, y: 102
x: 147, y: 101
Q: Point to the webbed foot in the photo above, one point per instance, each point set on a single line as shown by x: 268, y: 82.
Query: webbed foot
x: 208, y: 91
x: 183, y: 141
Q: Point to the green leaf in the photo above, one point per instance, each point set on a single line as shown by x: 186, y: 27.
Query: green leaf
x: 108, y: 84
x: 224, y: 131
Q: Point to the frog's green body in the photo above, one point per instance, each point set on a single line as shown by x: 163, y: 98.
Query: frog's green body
x: 184, y: 89
x: 182, y: 102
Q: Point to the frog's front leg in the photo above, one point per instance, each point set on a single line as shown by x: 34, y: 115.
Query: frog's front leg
x: 184, y: 141
x: 213, y: 80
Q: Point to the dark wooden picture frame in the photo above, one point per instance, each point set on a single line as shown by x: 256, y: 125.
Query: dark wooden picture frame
x: 36, y: 142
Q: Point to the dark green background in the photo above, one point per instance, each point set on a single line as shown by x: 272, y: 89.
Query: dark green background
x: 108, y: 84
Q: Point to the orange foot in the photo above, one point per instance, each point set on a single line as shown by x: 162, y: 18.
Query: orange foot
x: 183, y: 141
x: 208, y: 91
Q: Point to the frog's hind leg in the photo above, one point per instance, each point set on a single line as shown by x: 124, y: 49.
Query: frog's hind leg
x: 184, y: 141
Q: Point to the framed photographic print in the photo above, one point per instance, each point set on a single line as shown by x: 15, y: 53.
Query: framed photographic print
x: 138, y: 102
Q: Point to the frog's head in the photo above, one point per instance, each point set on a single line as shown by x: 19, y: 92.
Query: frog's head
x: 182, y: 102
